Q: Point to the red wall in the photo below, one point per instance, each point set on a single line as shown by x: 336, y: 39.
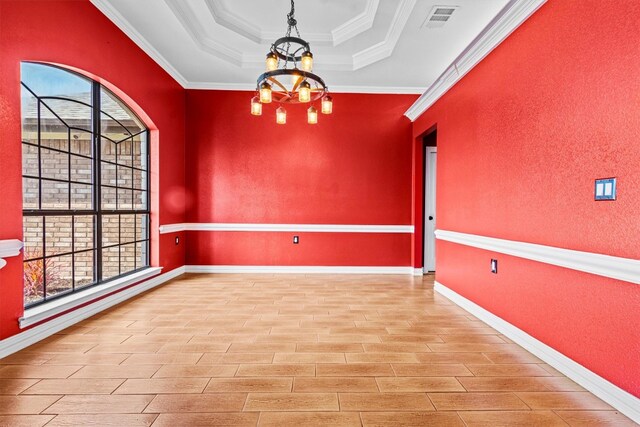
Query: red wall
x: 521, y: 139
x: 76, y: 34
x: 351, y: 168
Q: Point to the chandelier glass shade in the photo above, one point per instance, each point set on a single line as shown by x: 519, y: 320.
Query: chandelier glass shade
x: 289, y: 77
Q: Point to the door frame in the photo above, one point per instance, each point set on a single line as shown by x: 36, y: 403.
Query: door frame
x: 427, y: 151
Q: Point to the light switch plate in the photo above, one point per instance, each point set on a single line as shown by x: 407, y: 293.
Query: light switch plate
x: 605, y: 189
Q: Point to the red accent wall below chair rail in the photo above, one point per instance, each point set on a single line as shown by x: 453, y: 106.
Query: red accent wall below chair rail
x: 76, y: 35
x: 521, y: 139
x: 353, y: 167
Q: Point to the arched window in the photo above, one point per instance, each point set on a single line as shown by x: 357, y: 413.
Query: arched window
x: 85, y: 168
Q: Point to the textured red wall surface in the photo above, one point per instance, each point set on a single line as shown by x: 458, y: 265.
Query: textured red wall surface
x: 75, y: 34
x: 354, y: 167
x: 521, y: 139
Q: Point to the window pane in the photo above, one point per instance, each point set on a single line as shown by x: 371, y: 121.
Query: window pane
x: 140, y: 151
x: 110, y: 262
x: 33, y: 281
x: 32, y: 236
x: 59, y: 275
x: 142, y: 250
x: 82, y: 142
x: 54, y: 165
x: 139, y: 200
x: 74, y: 114
x: 124, y: 153
x: 125, y: 199
x: 125, y: 177
x: 108, y: 174
x: 45, y: 80
x: 30, y: 160
x: 110, y: 230
x: 127, y: 228
x: 55, y: 195
x: 81, y: 169
x: 108, y: 198
x: 108, y: 150
x: 53, y: 132
x: 83, y: 230
x: 142, y: 221
x: 30, y: 192
x: 29, y: 116
x: 81, y: 196
x: 83, y: 268
x: 57, y: 235
x: 127, y: 258
x: 113, y: 106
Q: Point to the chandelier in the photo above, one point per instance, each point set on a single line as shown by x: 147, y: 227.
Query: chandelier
x: 289, y: 78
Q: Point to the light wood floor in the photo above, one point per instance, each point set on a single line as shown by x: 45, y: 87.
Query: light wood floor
x: 289, y: 350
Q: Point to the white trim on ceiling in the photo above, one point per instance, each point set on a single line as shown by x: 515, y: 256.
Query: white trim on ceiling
x: 311, y: 228
x: 510, y: 18
x: 354, y: 26
x: 9, y: 248
x: 365, y: 57
x: 297, y: 269
x: 623, y: 401
x: 125, y: 26
x: 625, y: 269
x: 334, y: 89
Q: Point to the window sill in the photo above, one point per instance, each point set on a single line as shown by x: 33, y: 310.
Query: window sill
x: 45, y: 311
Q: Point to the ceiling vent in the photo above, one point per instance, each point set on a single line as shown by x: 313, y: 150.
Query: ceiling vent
x: 438, y: 16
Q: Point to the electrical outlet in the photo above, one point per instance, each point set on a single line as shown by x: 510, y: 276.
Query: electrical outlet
x: 494, y: 266
x: 177, y: 240
x: 296, y: 240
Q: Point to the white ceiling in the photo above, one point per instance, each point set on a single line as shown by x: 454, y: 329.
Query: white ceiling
x: 358, y: 45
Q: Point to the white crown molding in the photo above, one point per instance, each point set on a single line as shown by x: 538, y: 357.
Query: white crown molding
x: 613, y: 267
x: 311, y: 228
x: 114, y: 16
x: 396, y: 90
x: 356, y: 25
x: 623, y: 401
x: 44, y: 330
x: 368, y: 56
x: 294, y: 269
x: 9, y: 248
x: 510, y: 18
x: 385, y: 48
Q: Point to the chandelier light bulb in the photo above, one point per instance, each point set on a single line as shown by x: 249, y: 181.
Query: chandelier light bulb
x: 256, y: 106
x: 272, y: 61
x: 265, y: 93
x: 327, y: 105
x: 312, y: 116
x: 281, y: 116
x: 304, y: 92
x: 307, y: 61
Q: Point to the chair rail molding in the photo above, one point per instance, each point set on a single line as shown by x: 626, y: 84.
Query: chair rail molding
x: 311, y: 228
x: 625, y: 269
x: 9, y: 248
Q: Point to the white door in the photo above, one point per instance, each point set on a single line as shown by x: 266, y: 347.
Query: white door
x: 430, y: 210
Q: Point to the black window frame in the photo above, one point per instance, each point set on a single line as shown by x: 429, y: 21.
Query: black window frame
x: 97, y: 211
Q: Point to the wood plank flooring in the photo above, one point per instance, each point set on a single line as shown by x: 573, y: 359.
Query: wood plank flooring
x: 278, y: 350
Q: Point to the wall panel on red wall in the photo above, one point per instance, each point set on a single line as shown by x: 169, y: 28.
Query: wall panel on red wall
x: 76, y: 35
x: 521, y: 139
x: 351, y: 168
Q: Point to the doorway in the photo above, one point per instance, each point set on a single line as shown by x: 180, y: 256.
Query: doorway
x: 429, y: 244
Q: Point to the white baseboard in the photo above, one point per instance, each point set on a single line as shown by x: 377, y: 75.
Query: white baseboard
x: 418, y: 272
x: 295, y: 269
x: 40, y: 332
x: 623, y: 401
